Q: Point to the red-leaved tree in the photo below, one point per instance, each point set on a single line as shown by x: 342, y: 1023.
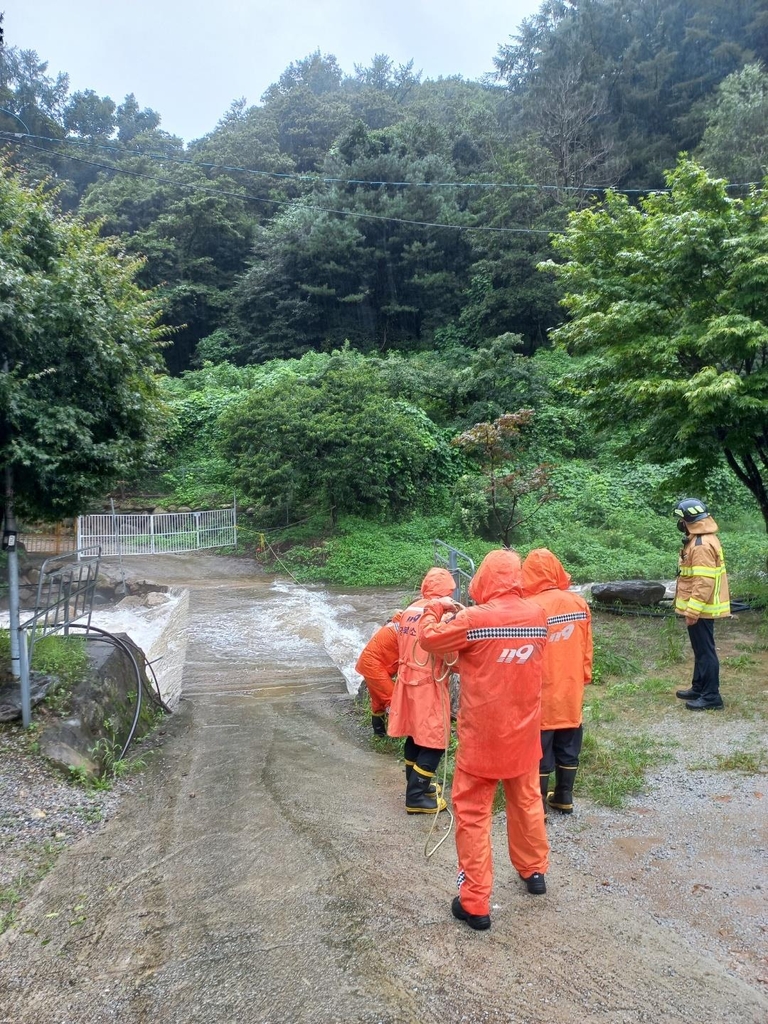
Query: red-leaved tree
x: 509, y: 476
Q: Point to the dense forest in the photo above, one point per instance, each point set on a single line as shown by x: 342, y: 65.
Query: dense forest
x: 379, y: 292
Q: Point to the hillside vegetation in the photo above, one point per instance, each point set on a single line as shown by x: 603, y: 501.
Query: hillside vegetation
x: 527, y: 310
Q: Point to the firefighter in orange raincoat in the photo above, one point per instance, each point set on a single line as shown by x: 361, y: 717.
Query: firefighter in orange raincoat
x: 500, y: 644
x: 420, y: 708
x: 567, y: 670
x: 377, y: 665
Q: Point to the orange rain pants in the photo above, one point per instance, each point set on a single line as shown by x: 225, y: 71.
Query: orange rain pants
x: 472, y: 799
x: 380, y: 692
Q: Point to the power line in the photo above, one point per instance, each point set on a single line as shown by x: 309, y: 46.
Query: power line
x: 322, y: 179
x: 313, y: 178
x: 245, y: 197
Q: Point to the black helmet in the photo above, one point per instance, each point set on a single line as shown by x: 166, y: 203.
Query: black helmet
x: 691, y: 510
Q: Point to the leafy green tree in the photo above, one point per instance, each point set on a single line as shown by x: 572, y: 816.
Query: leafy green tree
x: 89, y: 115
x: 334, y: 439
x: 193, y: 243
x: 131, y: 120
x: 379, y: 280
x: 248, y: 138
x: 78, y: 354
x: 671, y: 296
x: 309, y: 109
x: 29, y: 92
x: 643, y: 68
x: 735, y: 143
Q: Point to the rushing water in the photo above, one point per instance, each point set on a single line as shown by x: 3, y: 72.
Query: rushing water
x: 285, y: 627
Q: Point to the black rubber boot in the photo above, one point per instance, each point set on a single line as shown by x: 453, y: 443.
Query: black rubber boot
x: 480, y: 922
x: 562, y: 798
x: 434, y: 787
x: 421, y: 796
x: 378, y: 725
x: 544, y: 784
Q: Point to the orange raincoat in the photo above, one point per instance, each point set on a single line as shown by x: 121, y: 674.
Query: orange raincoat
x: 378, y: 663
x: 420, y: 705
x: 500, y: 644
x: 568, y: 654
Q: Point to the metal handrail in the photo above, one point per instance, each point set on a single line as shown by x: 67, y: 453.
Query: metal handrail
x: 459, y: 565
x: 64, y: 595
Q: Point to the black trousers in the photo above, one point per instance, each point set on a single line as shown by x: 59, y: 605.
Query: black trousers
x: 427, y: 758
x: 706, y: 664
x: 560, y: 747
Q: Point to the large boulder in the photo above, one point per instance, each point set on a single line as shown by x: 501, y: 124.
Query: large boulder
x: 635, y: 592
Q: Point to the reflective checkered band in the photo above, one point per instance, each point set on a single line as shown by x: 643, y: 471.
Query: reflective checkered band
x: 569, y: 617
x: 460, y: 878
x: 507, y: 633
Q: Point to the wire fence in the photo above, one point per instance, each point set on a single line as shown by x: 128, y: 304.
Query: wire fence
x: 55, y: 539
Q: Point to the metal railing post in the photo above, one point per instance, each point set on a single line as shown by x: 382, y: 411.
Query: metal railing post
x: 26, y: 692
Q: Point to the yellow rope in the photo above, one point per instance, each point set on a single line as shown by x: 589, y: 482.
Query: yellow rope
x: 447, y: 724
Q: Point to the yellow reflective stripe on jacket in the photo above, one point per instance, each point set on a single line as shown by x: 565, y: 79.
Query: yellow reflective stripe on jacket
x: 715, y: 608
x: 702, y: 570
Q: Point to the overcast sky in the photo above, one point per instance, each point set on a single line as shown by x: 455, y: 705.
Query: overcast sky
x: 189, y: 59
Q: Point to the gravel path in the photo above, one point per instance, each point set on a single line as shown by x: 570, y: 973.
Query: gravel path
x: 41, y: 813
x: 693, y: 848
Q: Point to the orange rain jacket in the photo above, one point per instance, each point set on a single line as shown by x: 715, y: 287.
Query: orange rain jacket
x: 421, y: 705
x: 378, y: 663
x: 568, y: 654
x: 500, y: 643
x: 702, y: 583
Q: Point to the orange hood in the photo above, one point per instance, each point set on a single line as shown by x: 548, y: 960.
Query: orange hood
x: 438, y: 583
x: 499, y: 574
x: 543, y: 571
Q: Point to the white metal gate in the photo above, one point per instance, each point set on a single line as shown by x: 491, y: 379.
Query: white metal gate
x: 163, y: 533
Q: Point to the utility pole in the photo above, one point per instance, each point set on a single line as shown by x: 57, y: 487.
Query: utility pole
x: 9, y: 546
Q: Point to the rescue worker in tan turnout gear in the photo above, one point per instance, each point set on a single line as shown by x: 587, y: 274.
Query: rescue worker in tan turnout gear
x: 420, y: 708
x: 500, y: 643
x: 701, y: 596
x: 567, y: 670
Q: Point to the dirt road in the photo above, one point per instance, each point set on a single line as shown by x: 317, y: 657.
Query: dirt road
x: 264, y: 872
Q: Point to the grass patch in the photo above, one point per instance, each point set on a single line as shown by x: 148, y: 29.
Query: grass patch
x: 750, y: 762
x: 63, y: 657
x: 614, y: 766
x: 739, y: 662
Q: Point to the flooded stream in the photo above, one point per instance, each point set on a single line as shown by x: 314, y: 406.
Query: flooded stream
x: 245, y: 631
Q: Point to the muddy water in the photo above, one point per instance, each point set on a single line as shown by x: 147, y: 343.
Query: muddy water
x: 258, y: 635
